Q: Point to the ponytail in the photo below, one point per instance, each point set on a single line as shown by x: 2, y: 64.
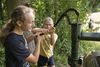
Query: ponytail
x: 5, y: 30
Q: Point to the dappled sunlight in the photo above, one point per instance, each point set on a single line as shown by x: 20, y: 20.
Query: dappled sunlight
x: 93, y: 21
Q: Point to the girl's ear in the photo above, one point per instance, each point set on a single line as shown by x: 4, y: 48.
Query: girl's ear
x: 19, y: 23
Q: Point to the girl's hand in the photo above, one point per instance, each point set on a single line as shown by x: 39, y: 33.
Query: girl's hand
x: 37, y: 37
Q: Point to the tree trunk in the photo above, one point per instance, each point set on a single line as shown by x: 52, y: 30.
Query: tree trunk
x: 11, y: 4
x: 1, y: 10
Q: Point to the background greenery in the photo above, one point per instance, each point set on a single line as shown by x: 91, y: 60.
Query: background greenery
x: 54, y: 9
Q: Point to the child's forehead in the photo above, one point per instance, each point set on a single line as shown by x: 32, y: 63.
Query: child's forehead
x: 48, y: 22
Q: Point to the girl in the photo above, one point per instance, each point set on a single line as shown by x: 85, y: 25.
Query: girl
x: 16, y: 50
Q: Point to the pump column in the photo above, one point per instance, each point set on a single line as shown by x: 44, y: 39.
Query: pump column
x: 75, y: 30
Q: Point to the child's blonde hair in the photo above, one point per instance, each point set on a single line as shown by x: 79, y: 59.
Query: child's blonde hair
x: 48, y: 19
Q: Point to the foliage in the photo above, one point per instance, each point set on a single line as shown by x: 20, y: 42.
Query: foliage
x: 2, y: 58
x: 54, y: 9
x: 88, y: 47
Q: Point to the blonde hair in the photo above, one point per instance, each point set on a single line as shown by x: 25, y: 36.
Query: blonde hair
x: 48, y: 19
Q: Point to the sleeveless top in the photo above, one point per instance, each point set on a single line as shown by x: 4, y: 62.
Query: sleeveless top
x: 46, y: 49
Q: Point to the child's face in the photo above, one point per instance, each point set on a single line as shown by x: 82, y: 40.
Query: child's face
x: 48, y: 24
x: 29, y: 22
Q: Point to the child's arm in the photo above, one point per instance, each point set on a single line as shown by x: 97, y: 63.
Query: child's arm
x: 36, y: 31
x: 53, y: 39
x: 42, y: 30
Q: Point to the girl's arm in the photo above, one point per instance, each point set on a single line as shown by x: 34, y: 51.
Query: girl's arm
x: 33, y: 58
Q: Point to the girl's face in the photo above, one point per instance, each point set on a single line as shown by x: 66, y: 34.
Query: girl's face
x: 29, y: 22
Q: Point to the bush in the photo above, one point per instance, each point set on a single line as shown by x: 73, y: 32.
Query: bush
x: 2, y: 57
